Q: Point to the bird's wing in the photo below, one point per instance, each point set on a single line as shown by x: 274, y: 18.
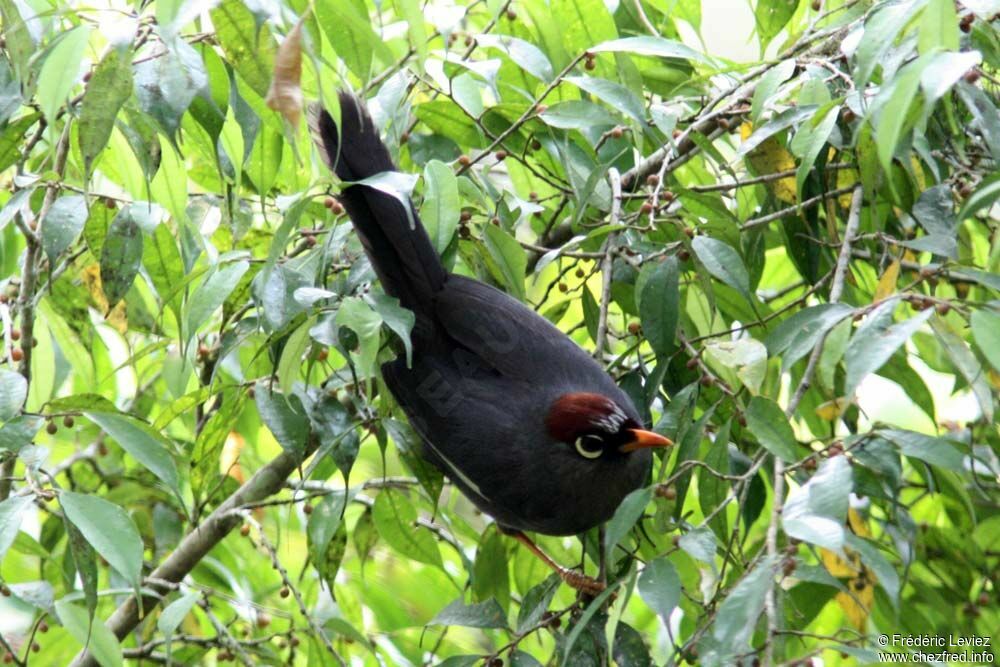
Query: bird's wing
x: 512, y: 338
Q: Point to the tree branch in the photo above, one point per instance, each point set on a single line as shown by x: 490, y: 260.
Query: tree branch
x: 778, y: 487
x: 196, y: 544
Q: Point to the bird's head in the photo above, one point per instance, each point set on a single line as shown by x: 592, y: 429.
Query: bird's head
x: 594, y: 426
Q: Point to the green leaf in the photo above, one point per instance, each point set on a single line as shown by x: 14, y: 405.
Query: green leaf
x: 13, y: 392
x: 746, y: 356
x: 166, y: 85
x: 509, y: 256
x: 875, y: 341
x: 440, y: 209
x: 11, y: 142
x: 986, y: 194
x: 284, y: 416
x: 359, y: 317
x: 814, y: 135
x: 628, y: 512
x: 121, y: 256
x: 768, y: 86
x: 347, y: 26
x: 109, y: 529
x: 771, y: 428
x: 738, y: 616
x: 660, y: 587
x: 173, y: 614
x: 334, y: 430
x: 396, y: 521
x: 212, y: 293
x: 894, y: 117
x: 659, y: 47
x: 397, y: 318
x: 290, y: 364
x: 108, y: 89
x: 95, y: 636
x: 816, y: 511
x: 935, y: 451
x: 12, y: 510
x: 536, y: 602
x: 880, y: 31
x: 938, y: 27
x: 614, y: 94
x: 797, y: 335
x: 63, y: 224
x: 967, y: 364
x: 19, y: 432
x: 490, y: 576
x: 525, y: 55
x: 144, y: 444
x: 772, y: 16
x: 699, y: 543
x: 482, y: 615
x: 723, y: 262
x: 577, y: 115
x: 413, y: 13
x: 84, y: 561
x: 163, y: 264
x: 659, y: 303
x: 248, y: 45
x: 986, y: 331
x: 59, y: 70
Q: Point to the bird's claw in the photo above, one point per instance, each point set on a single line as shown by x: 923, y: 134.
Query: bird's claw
x: 582, y: 583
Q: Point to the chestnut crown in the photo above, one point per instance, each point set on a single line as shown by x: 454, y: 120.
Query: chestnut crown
x: 595, y: 426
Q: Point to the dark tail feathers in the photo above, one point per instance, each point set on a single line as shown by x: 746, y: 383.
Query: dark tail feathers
x: 402, y: 256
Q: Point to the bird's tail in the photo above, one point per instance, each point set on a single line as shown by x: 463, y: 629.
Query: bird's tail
x: 397, y: 243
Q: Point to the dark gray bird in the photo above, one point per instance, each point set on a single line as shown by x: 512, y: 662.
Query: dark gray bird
x: 511, y: 410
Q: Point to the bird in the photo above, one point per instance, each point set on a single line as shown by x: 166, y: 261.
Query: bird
x: 521, y: 419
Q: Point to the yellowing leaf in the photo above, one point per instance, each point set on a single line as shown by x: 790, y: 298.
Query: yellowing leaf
x: 831, y: 410
x: 860, y: 580
x: 846, y: 178
x: 771, y: 157
x: 229, y: 459
x: 887, y: 282
x: 117, y: 317
x: 285, y: 93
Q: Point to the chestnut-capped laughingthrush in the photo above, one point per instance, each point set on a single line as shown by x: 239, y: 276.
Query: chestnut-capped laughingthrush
x: 512, y: 411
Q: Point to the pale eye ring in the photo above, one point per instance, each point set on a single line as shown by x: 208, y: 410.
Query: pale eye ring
x: 589, y: 446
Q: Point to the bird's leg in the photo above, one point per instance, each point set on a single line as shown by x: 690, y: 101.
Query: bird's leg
x: 574, y: 579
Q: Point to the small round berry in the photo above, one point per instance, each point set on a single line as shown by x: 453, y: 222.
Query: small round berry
x: 251, y: 393
x: 943, y: 308
x: 541, y: 108
x: 683, y: 255
x: 536, y: 145
x: 311, y: 240
x: 464, y: 160
x: 43, y: 627
x: 580, y: 273
x: 294, y: 641
x: 634, y: 328
x: 617, y: 132
x: 495, y: 221
x: 15, y: 334
x: 465, y: 216
x: 263, y: 619
x: 404, y: 137
x: 563, y: 287
x: 723, y: 123
x: 51, y: 428
x: 817, y: 5
x: 849, y: 116
x: 646, y: 208
x: 102, y: 449
x: 972, y: 76
x: 590, y: 65
x: 500, y: 155
x: 692, y: 363
x: 245, y: 530
x: 284, y: 592
x: 742, y: 420
x: 329, y: 202
x: 17, y: 354
x: 706, y: 381
x: 307, y: 508
x: 323, y: 354
x: 652, y: 179
x: 668, y: 196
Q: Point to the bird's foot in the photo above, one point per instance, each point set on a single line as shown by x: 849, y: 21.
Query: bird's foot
x: 581, y: 582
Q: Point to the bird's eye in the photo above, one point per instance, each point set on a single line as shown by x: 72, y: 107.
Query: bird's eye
x: 589, y: 446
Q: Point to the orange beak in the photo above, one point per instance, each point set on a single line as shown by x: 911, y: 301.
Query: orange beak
x: 644, y: 439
